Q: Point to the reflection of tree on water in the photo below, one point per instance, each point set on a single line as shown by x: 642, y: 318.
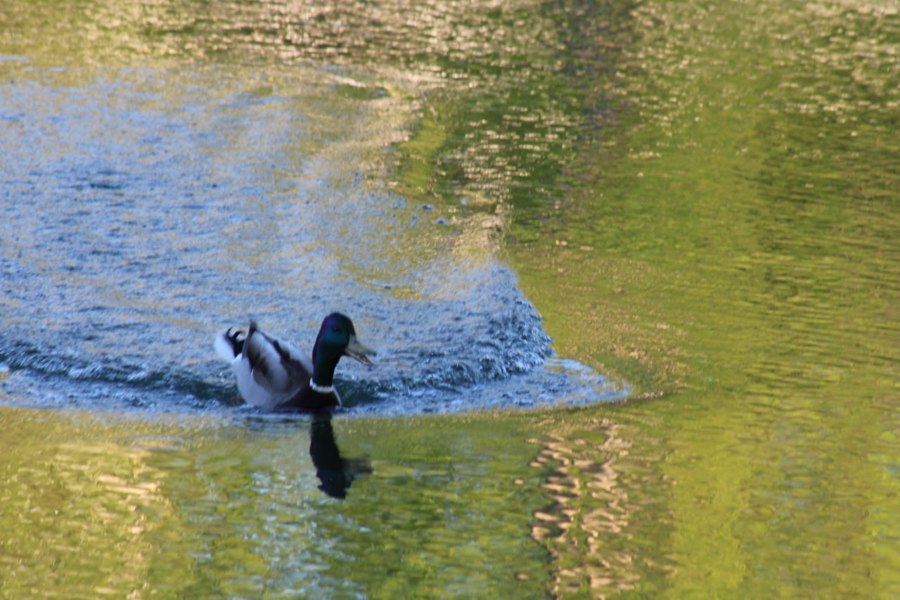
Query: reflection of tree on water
x: 591, y: 511
x: 335, y: 473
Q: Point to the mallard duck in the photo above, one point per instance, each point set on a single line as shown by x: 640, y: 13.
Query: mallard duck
x: 273, y: 374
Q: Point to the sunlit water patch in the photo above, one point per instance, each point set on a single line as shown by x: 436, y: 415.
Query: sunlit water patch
x: 144, y: 211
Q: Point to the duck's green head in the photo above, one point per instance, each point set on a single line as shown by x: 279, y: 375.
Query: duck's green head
x: 337, y: 338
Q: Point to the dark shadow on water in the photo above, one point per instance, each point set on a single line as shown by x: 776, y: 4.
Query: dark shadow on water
x: 335, y: 472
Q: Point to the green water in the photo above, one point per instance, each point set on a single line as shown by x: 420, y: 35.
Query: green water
x: 99, y: 505
x: 701, y: 199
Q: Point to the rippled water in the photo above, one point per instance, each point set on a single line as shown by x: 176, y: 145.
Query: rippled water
x: 696, y: 202
x: 140, y: 221
x: 730, y: 245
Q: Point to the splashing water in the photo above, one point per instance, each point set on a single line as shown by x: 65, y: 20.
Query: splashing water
x: 145, y: 212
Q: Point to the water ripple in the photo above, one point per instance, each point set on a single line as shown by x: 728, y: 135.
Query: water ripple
x: 143, y: 216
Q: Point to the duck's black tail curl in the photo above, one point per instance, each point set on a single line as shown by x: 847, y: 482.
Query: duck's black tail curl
x: 230, y: 343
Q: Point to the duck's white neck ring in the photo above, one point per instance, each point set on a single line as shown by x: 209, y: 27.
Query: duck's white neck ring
x: 322, y: 389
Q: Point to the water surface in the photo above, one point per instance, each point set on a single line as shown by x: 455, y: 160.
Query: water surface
x: 520, y: 205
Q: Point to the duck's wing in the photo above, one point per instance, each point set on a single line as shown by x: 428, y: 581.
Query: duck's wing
x: 275, y: 365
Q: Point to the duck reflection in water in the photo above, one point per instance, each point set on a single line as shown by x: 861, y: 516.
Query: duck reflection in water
x: 335, y: 472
